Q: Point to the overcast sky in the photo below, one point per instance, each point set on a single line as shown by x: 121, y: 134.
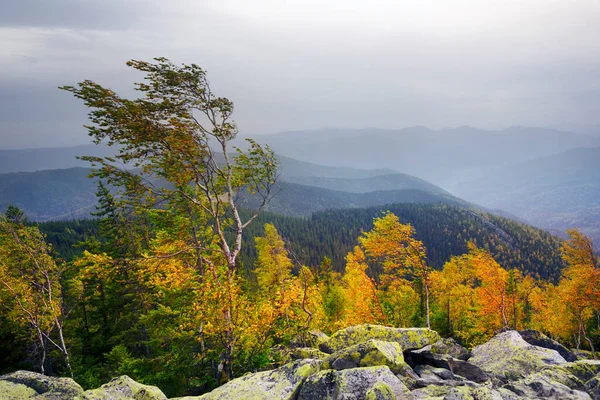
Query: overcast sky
x: 310, y: 64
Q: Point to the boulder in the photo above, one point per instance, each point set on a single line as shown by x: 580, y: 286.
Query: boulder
x: 592, y: 387
x: 369, y: 354
x: 540, y: 385
x: 123, y: 387
x: 450, y: 348
x: 431, y: 392
x: 583, y: 354
x: 465, y: 369
x: 313, y: 339
x: 48, y: 387
x: 537, y: 338
x: 357, y: 383
x: 468, y: 371
x: 302, y: 353
x: 282, y: 355
x: 380, y: 391
x: 407, y: 338
x: 281, y: 383
x: 441, y: 372
x: 508, y: 357
x: 584, y: 370
x: 16, y: 391
x: 475, y: 393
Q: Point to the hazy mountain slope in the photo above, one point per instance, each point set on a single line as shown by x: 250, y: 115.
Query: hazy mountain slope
x: 53, y: 194
x: 290, y: 168
x: 29, y: 160
x: 442, y: 157
x: 555, y: 192
x: 300, y: 200
x: 68, y: 193
x: 371, y: 184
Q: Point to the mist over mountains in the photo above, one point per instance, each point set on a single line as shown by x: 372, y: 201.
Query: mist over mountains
x: 546, y: 177
x: 443, y: 157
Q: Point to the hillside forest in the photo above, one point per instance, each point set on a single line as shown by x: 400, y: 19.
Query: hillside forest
x: 180, y: 287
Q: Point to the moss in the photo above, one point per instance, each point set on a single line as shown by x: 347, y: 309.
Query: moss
x: 47, y: 386
x: 508, y: 357
x: 380, y: 391
x: 431, y: 392
x: 369, y: 354
x: 305, y: 371
x: 303, y: 353
x: 280, y: 383
x: 123, y: 387
x: 410, y: 338
x: 15, y: 391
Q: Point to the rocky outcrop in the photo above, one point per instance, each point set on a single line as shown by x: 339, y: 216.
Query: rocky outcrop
x: 312, y: 338
x: 281, y: 383
x: 592, y: 387
x: 407, y: 338
x: 369, y: 354
x: 508, y: 357
x: 449, y: 347
x: 370, y: 362
x: 539, y: 339
x: 27, y: 385
x: 122, y: 388
x: 541, y: 385
x: 357, y: 383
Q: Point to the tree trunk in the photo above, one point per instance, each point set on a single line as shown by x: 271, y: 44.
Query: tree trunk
x: 64, y: 348
x: 427, y: 305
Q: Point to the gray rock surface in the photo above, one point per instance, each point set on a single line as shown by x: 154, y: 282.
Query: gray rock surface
x: 508, y: 357
x: 122, y: 388
x: 281, y: 383
x: 43, y: 387
x: 371, y: 353
x: 407, y: 338
x: 539, y: 339
x: 354, y: 384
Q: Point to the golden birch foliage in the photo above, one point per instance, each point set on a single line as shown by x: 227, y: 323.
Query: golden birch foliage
x: 491, y: 294
x: 285, y: 301
x: 402, y: 256
x: 453, y: 289
x: 30, y: 287
x: 361, y: 304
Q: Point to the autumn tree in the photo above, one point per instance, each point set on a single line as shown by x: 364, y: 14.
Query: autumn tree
x: 580, y: 283
x: 453, y: 289
x: 167, y: 138
x: 31, y: 287
x: 361, y: 304
x: 402, y: 255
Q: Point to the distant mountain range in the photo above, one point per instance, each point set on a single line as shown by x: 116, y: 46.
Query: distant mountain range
x: 303, y: 189
x: 553, y: 192
x: 52, y: 194
x: 546, y: 177
x: 29, y: 160
x: 443, y: 157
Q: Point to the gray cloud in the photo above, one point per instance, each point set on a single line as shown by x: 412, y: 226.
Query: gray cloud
x: 79, y: 14
x: 308, y: 64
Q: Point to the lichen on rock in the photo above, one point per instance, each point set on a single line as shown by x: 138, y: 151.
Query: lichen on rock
x: 369, y: 354
x: 508, y: 357
x: 281, y: 383
x: 48, y: 387
x: 353, y: 383
x: 123, y: 387
x: 15, y: 391
x: 407, y: 338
